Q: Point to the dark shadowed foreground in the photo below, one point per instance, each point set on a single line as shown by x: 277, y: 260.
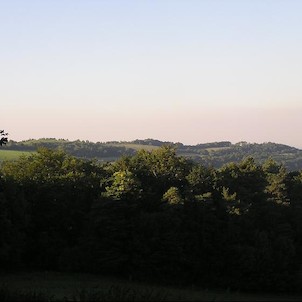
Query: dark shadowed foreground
x: 51, y: 286
x: 154, y: 217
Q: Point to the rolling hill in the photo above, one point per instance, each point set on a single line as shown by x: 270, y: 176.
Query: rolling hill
x: 211, y: 154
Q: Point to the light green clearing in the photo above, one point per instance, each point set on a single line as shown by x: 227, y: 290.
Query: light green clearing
x: 12, y: 154
x: 135, y: 146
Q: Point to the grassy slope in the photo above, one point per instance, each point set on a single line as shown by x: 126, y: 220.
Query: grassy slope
x: 61, y: 285
x: 135, y: 146
x: 12, y: 154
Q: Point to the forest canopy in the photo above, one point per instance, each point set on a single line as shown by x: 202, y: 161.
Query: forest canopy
x: 154, y: 216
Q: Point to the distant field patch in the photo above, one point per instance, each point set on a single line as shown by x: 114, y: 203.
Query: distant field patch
x: 12, y: 154
x: 135, y: 146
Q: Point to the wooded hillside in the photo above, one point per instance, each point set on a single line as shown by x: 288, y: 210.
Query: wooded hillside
x: 214, y: 154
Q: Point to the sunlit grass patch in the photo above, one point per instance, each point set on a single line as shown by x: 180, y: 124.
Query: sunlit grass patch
x: 12, y: 154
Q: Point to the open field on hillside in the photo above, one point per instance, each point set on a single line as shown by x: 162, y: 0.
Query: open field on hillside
x: 12, y: 154
x: 85, y: 287
x: 135, y: 146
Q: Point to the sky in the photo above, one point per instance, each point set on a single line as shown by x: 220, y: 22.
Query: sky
x: 182, y: 71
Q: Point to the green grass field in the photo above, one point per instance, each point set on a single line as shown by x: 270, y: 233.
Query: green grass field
x: 12, y: 154
x: 86, y: 287
x: 135, y: 146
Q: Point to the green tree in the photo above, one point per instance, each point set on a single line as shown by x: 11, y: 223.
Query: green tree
x: 59, y: 190
x: 276, y: 176
x: 173, y: 196
x: 123, y: 185
x: 200, y: 179
x: 160, y: 169
x: 246, y: 179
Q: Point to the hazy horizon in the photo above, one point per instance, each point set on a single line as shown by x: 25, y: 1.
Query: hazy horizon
x: 180, y: 71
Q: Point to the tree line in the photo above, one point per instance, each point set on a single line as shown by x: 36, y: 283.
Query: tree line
x: 154, y: 216
x: 214, y: 154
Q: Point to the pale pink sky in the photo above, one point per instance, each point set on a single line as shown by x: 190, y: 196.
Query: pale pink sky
x: 281, y: 125
x: 176, y: 70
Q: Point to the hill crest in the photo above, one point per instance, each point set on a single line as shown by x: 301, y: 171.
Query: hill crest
x: 214, y: 153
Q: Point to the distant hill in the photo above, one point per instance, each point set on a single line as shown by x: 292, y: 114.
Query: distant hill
x: 211, y: 154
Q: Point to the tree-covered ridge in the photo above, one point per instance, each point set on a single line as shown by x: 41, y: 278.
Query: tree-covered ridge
x: 82, y: 149
x: 214, y: 154
x: 290, y: 157
x: 154, y: 216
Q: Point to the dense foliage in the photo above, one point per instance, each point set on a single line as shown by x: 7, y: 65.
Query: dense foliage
x: 154, y: 216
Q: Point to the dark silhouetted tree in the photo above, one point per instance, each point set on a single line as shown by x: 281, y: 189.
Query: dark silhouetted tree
x: 3, y: 137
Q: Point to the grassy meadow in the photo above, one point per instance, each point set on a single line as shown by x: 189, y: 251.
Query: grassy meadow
x: 53, y: 286
x: 12, y: 154
x: 136, y: 147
